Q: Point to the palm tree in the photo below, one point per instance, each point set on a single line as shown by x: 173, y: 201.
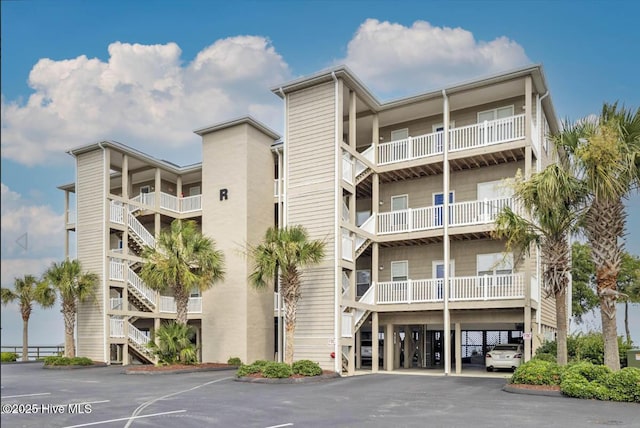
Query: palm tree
x: 28, y: 290
x: 629, y: 286
x: 183, y: 260
x: 285, y: 252
x: 606, y: 156
x: 548, y: 202
x: 172, y: 344
x: 74, y: 287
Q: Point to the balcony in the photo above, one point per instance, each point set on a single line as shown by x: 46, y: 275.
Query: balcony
x: 181, y: 205
x: 461, y: 289
x: 460, y: 214
x: 466, y: 137
x: 168, y: 305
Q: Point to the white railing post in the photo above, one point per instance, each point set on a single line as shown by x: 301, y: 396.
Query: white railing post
x: 485, y: 132
x: 409, y: 219
x: 409, y: 290
x: 486, y: 286
x: 485, y: 211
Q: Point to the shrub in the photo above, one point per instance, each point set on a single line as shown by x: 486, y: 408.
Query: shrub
x: 306, y: 368
x: 9, y: 357
x: 234, y: 361
x: 624, y: 385
x: 66, y: 361
x: 538, y: 372
x: 261, y: 363
x: 172, y: 344
x: 586, y: 347
x: 585, y: 380
x: 247, y: 369
x: 277, y: 370
x: 545, y: 357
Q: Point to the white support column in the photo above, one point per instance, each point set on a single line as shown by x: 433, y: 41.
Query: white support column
x: 397, y: 344
x: 388, y: 347
x: 352, y: 119
x: 158, y: 188
x: 125, y: 177
x: 358, y: 350
x: 445, y: 239
x: 527, y: 126
x: 375, y: 137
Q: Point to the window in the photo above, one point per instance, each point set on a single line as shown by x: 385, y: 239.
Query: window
x: 399, y: 134
x: 399, y: 217
x: 195, y: 190
x: 363, y: 281
x: 494, y: 192
x: 399, y: 271
x: 498, y: 266
x: 145, y: 189
x: 362, y: 216
x: 496, y: 113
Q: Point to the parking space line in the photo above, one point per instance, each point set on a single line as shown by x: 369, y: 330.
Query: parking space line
x: 279, y: 426
x: 127, y: 418
x: 143, y: 406
x: 25, y: 395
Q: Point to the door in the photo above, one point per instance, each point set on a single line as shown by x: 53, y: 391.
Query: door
x: 495, y: 193
x: 438, y: 273
x: 438, y: 201
x: 399, y: 206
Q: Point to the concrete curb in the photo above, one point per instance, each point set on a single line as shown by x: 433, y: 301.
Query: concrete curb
x: 525, y: 391
x: 308, y: 379
x: 177, y: 371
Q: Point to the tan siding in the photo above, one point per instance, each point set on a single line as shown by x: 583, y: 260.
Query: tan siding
x: 91, y: 241
x: 548, y: 315
x: 311, y: 198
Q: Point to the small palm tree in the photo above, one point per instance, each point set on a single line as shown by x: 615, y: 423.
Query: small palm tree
x: 28, y: 290
x: 172, y: 344
x: 285, y: 252
x: 74, y: 287
x: 549, y: 202
x: 606, y: 156
x: 183, y: 260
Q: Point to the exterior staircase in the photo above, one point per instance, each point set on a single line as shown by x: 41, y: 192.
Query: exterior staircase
x: 139, y: 343
x: 362, y: 171
x: 360, y: 315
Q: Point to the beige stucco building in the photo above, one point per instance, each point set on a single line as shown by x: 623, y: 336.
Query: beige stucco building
x: 411, y: 278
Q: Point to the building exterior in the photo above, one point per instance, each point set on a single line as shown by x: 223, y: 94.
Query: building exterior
x: 404, y: 194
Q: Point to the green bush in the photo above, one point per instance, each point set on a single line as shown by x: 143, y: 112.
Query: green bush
x: 66, y: 361
x: 624, y: 385
x: 585, y: 380
x: 261, y: 363
x: 172, y: 344
x: 538, y: 372
x: 247, y: 369
x: 544, y: 356
x: 234, y: 361
x: 586, y: 347
x: 306, y: 368
x: 9, y: 357
x: 277, y: 370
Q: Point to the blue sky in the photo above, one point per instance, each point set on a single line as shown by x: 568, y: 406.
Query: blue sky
x: 148, y: 73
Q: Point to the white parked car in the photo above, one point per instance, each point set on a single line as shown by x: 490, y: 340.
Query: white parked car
x: 507, y: 356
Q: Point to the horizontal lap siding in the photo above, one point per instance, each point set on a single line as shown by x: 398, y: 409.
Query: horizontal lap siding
x: 311, y: 203
x: 90, y: 236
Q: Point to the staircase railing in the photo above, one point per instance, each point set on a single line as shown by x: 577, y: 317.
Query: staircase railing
x: 139, y: 230
x: 139, y: 285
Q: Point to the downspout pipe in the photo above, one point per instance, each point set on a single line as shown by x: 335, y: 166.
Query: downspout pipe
x: 282, y: 205
x: 445, y: 239
x: 337, y: 236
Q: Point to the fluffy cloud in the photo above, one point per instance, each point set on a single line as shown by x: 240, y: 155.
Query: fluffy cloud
x: 32, y: 235
x: 143, y: 96
x: 396, y: 60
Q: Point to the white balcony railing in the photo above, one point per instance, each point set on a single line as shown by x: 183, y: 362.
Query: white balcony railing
x: 168, y: 305
x: 477, y: 212
x: 116, y: 213
x: 115, y: 303
x: 460, y: 214
x: 116, y: 327
x: 410, y: 148
x: 138, y: 337
x: 170, y: 202
x: 467, y: 288
x: 347, y: 324
x: 487, y: 133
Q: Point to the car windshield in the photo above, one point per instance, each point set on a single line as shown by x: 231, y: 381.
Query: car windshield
x: 505, y: 348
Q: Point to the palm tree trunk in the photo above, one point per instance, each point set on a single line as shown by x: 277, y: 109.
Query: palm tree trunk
x: 561, y: 323
x: 610, y: 333
x: 25, y: 339
x: 290, y: 328
x: 182, y: 306
x: 626, y: 322
x: 69, y: 315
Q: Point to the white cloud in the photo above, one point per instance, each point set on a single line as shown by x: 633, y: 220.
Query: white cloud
x: 142, y: 96
x: 396, y: 60
x: 29, y: 231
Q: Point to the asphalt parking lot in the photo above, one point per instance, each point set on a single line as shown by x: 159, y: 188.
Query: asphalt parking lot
x: 106, y: 397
